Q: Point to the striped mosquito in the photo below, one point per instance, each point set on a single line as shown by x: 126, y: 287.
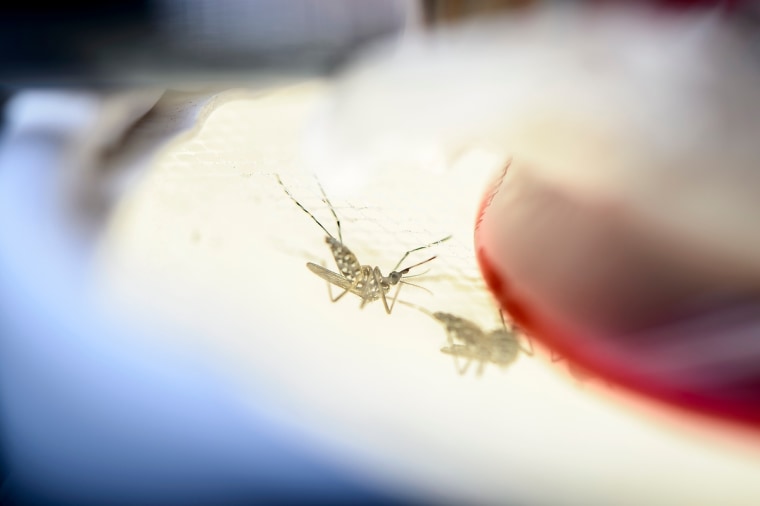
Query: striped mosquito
x: 366, y: 281
x: 468, y: 341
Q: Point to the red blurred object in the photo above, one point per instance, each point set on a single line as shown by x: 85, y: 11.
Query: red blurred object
x: 596, y: 332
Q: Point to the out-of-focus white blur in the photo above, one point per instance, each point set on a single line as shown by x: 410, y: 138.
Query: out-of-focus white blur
x: 661, y: 99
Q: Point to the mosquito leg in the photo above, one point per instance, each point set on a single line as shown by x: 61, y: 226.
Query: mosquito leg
x: 332, y: 210
x: 329, y: 285
x: 456, y: 351
x: 455, y: 356
x: 517, y: 334
x: 353, y: 286
x: 450, y: 335
x: 439, y: 241
x: 466, y: 367
x: 393, y: 303
x: 481, y: 368
x: 329, y: 289
x: 449, y: 350
x: 377, y: 276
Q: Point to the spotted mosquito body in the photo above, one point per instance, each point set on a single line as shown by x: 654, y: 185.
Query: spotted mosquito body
x: 468, y: 341
x: 365, y: 281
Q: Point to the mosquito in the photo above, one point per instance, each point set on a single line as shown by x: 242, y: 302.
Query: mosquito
x: 366, y: 281
x: 469, y: 341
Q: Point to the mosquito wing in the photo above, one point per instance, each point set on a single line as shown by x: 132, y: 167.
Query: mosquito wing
x: 332, y: 277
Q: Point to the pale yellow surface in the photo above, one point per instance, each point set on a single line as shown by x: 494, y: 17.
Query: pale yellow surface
x: 208, y: 248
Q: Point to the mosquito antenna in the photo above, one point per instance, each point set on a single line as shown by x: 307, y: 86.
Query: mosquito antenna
x: 332, y: 209
x: 416, y: 275
x: 404, y: 271
x: 439, y: 241
x: 287, y: 192
x: 530, y: 341
x: 417, y: 286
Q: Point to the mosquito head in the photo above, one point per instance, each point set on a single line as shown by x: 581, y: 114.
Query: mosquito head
x: 395, y: 276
